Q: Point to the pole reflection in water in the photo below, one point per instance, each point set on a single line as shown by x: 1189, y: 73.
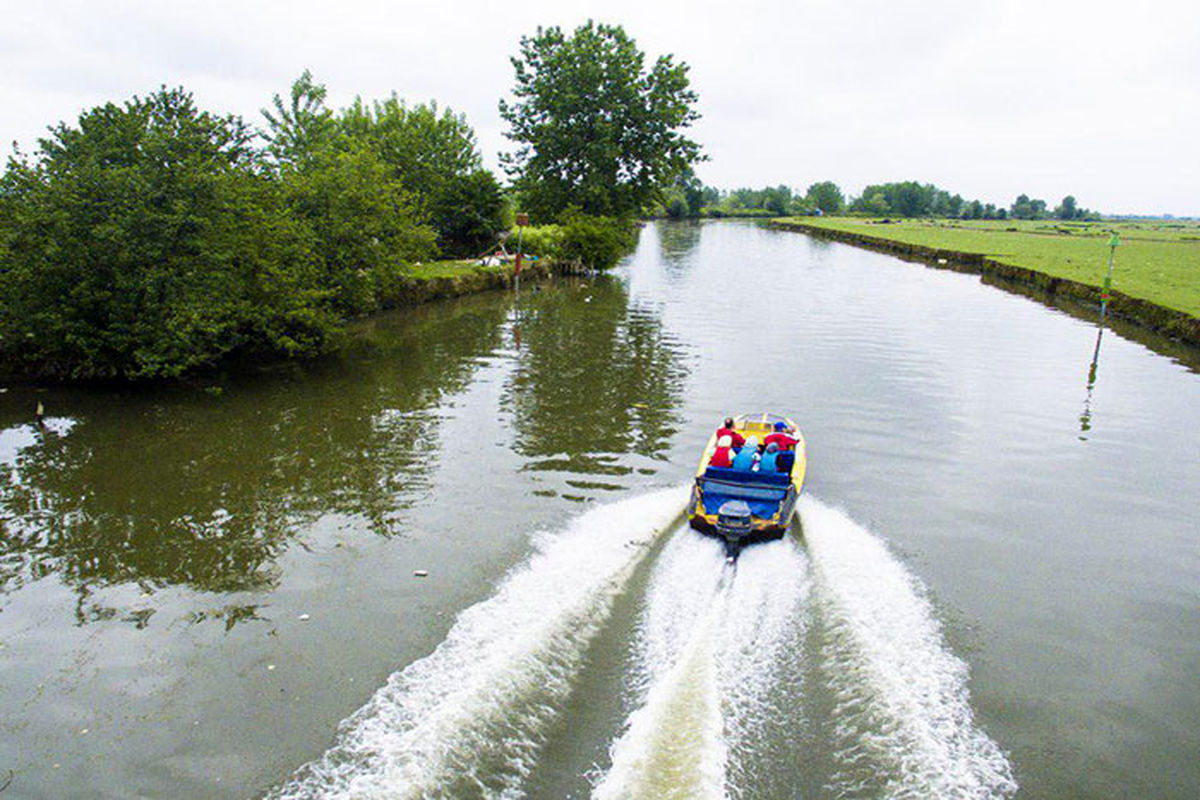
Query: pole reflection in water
x: 1085, y: 419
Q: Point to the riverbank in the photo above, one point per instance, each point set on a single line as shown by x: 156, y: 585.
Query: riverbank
x: 1157, y: 265
x: 425, y: 283
x: 439, y: 280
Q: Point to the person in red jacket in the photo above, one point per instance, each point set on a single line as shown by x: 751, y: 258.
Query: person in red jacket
x: 723, y: 455
x: 782, y: 438
x: 738, y: 441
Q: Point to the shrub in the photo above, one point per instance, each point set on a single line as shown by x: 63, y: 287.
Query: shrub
x: 595, y: 242
x: 539, y: 240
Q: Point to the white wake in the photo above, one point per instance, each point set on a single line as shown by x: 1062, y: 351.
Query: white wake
x: 902, y: 715
x: 467, y: 719
x: 708, y: 644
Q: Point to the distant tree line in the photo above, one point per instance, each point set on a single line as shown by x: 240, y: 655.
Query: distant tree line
x: 690, y: 198
x: 912, y: 199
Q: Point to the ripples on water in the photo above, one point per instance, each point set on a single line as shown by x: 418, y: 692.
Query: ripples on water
x: 208, y: 583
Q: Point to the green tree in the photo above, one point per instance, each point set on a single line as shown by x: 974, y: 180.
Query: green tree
x: 593, y: 127
x: 467, y: 212
x: 1025, y: 208
x: 904, y: 199
x: 826, y: 196
x: 872, y: 201
x: 148, y: 241
x: 365, y: 226
x: 954, y: 205
x: 434, y: 154
x: 597, y: 242
x: 298, y: 128
x: 1067, y: 209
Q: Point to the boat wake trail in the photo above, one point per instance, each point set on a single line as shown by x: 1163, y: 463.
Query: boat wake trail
x: 708, y: 645
x: 467, y: 720
x: 901, y: 718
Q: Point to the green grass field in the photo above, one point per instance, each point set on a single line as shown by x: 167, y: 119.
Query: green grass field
x: 1158, y: 260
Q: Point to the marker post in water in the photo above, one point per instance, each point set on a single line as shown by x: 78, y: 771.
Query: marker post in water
x: 522, y: 221
x: 1105, y: 294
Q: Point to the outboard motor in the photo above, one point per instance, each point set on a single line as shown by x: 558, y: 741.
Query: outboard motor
x: 733, y: 523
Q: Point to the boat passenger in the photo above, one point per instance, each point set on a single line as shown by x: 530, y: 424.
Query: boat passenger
x: 723, y: 455
x: 769, y: 459
x: 748, y: 456
x: 782, y: 437
x: 727, y: 430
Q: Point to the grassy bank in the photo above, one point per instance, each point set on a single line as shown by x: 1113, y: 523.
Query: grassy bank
x: 1156, y: 281
x: 441, y: 279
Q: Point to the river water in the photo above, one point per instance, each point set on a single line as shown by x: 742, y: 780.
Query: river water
x: 993, y: 591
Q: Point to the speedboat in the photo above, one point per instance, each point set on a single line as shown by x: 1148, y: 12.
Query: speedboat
x: 748, y: 505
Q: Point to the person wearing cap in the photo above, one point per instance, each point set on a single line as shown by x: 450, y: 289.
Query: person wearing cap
x: 727, y: 430
x: 747, y: 457
x: 723, y: 455
x: 781, y: 437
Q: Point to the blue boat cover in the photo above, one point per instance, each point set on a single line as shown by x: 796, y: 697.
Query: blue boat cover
x: 748, y: 477
x: 762, y: 491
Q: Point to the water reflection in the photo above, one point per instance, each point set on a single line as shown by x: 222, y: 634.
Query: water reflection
x: 596, y: 378
x: 677, y: 240
x: 208, y: 492
x: 1085, y: 419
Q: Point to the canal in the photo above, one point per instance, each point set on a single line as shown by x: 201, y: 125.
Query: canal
x: 449, y: 562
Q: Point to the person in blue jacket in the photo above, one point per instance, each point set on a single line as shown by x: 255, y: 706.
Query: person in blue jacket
x: 747, y: 457
x: 767, y: 464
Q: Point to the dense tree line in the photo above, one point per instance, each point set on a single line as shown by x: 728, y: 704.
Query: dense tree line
x: 153, y: 237
x: 690, y: 198
x: 913, y: 199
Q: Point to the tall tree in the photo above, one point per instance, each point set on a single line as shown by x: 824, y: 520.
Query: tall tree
x: 1067, y: 209
x: 827, y: 196
x: 593, y: 127
x: 302, y: 125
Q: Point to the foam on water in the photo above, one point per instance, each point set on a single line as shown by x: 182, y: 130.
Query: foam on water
x: 902, y: 715
x: 709, y: 642
x: 762, y: 637
x: 467, y: 719
x: 672, y: 746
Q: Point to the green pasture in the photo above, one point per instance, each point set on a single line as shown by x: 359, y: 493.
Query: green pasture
x: 1158, y: 260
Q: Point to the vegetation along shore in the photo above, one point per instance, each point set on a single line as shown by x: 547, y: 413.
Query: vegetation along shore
x: 1156, y: 281
x: 154, y: 239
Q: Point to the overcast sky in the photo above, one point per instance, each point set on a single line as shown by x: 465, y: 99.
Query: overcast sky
x: 989, y: 99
